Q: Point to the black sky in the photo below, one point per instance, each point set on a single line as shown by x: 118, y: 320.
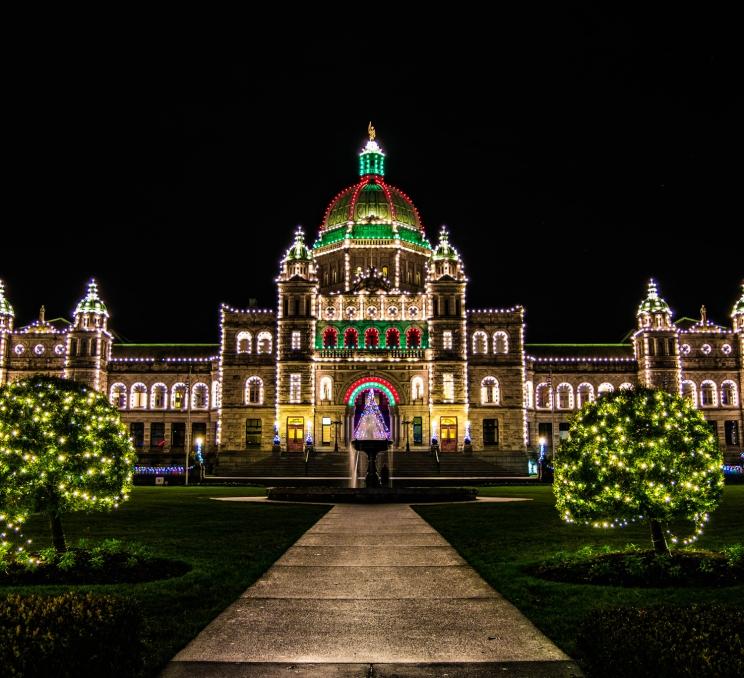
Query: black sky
x: 572, y: 157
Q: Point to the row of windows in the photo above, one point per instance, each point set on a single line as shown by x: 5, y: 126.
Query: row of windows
x: 158, y: 397
x: 245, y: 342
x: 564, y: 398
x: 177, y: 432
x: 710, y: 394
x: 500, y: 342
x: 371, y: 337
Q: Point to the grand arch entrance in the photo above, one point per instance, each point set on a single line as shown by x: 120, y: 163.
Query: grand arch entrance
x: 386, y: 398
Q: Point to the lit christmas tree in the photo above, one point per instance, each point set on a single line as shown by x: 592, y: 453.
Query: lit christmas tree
x: 371, y: 425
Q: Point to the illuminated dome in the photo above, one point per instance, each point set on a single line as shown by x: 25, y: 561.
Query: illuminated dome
x: 653, y: 303
x: 372, y: 208
x: 5, y: 306
x: 739, y: 306
x: 91, y: 302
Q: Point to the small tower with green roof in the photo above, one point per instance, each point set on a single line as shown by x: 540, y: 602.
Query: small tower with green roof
x: 7, y: 315
x: 89, y: 341
x: 737, y: 314
x: 656, y: 343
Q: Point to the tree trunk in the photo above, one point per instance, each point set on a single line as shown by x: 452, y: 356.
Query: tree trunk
x: 58, y: 534
x: 658, y: 539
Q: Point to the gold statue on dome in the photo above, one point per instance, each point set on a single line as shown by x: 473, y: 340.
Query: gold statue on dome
x: 703, y: 315
x: 371, y: 131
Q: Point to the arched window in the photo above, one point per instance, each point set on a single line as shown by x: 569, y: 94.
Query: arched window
x: 371, y: 337
x: 263, y: 342
x: 245, y: 340
x: 392, y: 338
x: 689, y: 390
x: 565, y: 396
x: 605, y: 388
x: 158, y: 396
x: 200, y: 396
x: 330, y: 337
x: 138, y: 399
x: 480, y: 342
x: 351, y: 338
x: 490, y: 391
x: 501, y: 342
x: 178, y: 396
x: 417, y: 388
x: 413, y: 337
x: 729, y: 395
x: 326, y: 389
x: 584, y: 394
x: 254, y: 391
x: 118, y: 396
x: 708, y: 395
x: 543, y: 397
x: 529, y: 394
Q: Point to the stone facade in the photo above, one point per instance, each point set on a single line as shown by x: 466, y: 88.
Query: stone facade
x: 372, y: 304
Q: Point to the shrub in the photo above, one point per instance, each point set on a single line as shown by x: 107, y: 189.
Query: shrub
x: 70, y: 635
x: 699, y: 640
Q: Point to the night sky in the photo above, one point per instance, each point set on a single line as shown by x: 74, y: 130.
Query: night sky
x: 570, y: 160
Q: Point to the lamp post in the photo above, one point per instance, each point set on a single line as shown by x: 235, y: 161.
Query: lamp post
x: 336, y: 424
x: 406, y: 423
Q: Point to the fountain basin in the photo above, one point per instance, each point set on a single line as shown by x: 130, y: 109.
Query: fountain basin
x: 373, y: 495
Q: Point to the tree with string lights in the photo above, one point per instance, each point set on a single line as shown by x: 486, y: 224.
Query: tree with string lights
x: 63, y: 448
x: 639, y: 455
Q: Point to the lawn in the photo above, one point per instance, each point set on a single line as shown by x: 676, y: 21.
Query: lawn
x: 499, y: 540
x: 228, y: 545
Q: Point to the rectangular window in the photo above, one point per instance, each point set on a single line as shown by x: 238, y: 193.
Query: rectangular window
x: 490, y: 432
x: 296, y: 341
x: 137, y: 431
x: 252, y: 432
x: 563, y: 430
x: 448, y: 387
x: 326, y: 431
x: 418, y: 430
x: 732, y: 432
x: 295, y: 388
x: 178, y: 435
x: 157, y: 435
x: 545, y: 436
x: 447, y: 340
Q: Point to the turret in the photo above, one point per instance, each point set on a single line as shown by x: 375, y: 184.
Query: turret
x: 737, y: 314
x: 6, y: 327
x: 656, y: 343
x: 89, y: 341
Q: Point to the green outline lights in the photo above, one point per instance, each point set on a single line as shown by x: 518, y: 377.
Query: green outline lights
x: 372, y: 160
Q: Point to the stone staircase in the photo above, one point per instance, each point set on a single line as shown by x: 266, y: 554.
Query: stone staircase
x: 336, y: 465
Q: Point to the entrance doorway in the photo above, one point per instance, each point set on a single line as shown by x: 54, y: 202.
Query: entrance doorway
x: 326, y: 431
x: 295, y: 434
x: 448, y: 427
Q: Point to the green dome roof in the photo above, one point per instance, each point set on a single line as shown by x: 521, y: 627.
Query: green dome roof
x: 443, y: 249
x: 371, y: 208
x: 739, y: 305
x: 5, y: 307
x: 299, y: 250
x: 653, y: 303
x: 92, y: 303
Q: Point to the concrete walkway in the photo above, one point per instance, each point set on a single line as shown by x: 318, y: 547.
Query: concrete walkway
x: 371, y: 591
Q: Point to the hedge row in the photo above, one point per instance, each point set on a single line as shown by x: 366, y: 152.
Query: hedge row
x: 699, y: 640
x: 70, y: 635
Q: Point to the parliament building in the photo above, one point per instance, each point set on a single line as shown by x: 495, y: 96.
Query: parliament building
x: 372, y: 303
